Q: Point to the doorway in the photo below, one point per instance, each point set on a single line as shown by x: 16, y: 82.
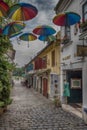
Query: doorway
x: 45, y: 87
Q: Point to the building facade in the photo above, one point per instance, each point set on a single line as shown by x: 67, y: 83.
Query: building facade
x: 49, y: 74
x: 73, y: 57
x: 83, y: 52
x: 46, y: 69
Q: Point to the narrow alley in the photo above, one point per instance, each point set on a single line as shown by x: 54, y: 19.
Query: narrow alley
x: 32, y: 111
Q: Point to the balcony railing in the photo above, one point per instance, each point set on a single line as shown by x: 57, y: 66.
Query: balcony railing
x: 65, y: 40
x: 40, y: 63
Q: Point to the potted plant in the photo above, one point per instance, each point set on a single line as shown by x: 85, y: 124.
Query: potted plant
x: 57, y: 102
x: 83, y: 25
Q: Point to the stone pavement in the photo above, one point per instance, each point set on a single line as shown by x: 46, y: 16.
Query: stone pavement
x: 32, y: 111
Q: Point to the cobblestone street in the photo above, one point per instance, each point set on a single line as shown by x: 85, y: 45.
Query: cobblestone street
x: 32, y: 111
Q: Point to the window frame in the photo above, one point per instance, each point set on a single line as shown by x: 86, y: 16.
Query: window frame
x: 53, y: 58
x: 68, y: 32
x: 44, y: 61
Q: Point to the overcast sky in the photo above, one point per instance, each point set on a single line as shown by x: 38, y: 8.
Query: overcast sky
x: 44, y: 17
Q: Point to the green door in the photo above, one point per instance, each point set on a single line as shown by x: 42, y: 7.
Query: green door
x: 75, y: 93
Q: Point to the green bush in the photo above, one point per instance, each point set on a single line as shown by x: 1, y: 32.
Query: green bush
x: 2, y: 104
x: 9, y: 101
x: 5, y: 68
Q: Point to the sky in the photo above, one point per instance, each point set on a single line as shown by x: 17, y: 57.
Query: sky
x: 44, y: 17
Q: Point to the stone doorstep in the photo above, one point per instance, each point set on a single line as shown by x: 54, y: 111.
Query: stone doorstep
x: 72, y: 110
x: 2, y: 110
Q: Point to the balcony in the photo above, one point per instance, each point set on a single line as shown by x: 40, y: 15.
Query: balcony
x: 65, y: 40
x: 40, y: 63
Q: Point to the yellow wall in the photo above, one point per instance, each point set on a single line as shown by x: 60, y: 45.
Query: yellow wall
x: 47, y: 52
x: 54, y: 69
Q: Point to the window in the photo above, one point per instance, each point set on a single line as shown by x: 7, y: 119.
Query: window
x: 76, y: 83
x: 53, y: 58
x: 44, y: 62
x: 67, y: 32
x: 84, y: 12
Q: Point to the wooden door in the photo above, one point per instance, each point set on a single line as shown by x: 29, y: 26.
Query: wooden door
x: 45, y: 87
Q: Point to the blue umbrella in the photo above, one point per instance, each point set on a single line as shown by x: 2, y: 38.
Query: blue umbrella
x: 66, y: 19
x: 44, y: 30
x: 47, y: 38
x: 13, y: 29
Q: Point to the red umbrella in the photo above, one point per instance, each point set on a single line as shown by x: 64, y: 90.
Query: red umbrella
x: 66, y: 19
x: 22, y: 12
x: 44, y: 30
x: 3, y: 8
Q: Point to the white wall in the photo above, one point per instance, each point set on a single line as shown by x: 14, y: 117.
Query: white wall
x: 71, y: 49
x: 85, y: 91
x: 76, y: 6
x: 85, y: 85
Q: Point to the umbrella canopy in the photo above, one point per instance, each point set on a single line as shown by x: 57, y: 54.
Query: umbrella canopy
x: 16, y: 35
x: 44, y: 30
x: 3, y: 8
x: 47, y: 38
x: 66, y: 19
x: 22, y: 12
x: 28, y: 37
x: 13, y: 28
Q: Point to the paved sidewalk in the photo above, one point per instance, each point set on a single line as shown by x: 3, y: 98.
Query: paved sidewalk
x: 72, y: 109
x: 32, y: 111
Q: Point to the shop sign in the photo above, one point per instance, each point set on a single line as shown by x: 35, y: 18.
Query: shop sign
x: 81, y: 50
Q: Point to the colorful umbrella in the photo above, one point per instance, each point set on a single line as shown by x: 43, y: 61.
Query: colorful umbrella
x: 13, y: 29
x: 3, y: 8
x: 22, y: 12
x: 16, y: 34
x: 44, y: 30
x: 66, y: 19
x: 47, y: 38
x: 28, y: 37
